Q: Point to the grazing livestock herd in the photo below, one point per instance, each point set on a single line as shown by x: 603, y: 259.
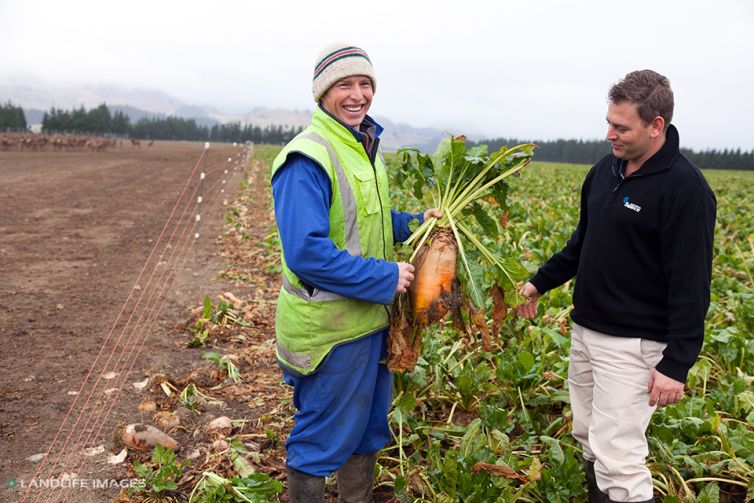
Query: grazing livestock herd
x: 32, y: 142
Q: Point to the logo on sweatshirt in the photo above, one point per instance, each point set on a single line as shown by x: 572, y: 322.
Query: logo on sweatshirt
x: 630, y: 205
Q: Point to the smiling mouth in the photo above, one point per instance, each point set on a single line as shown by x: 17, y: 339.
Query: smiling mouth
x: 353, y: 108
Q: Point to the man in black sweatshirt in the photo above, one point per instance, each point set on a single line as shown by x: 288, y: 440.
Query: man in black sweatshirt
x: 642, y: 258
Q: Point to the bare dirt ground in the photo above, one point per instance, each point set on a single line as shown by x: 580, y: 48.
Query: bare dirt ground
x: 75, y: 231
x: 84, y: 236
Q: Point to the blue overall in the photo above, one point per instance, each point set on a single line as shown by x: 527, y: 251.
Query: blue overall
x: 342, y: 407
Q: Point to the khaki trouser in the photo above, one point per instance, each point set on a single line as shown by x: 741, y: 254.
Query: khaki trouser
x: 607, y: 379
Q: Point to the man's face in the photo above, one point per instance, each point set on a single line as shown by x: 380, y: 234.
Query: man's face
x: 349, y: 99
x: 630, y: 138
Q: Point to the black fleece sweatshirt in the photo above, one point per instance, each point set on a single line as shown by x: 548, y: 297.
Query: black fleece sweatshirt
x: 642, y: 254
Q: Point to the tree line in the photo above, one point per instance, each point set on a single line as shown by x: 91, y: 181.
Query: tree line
x: 78, y: 120
x: 590, y: 151
x: 178, y: 128
x: 101, y: 121
x: 12, y: 118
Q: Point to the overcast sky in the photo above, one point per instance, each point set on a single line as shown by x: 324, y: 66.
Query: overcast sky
x: 537, y: 69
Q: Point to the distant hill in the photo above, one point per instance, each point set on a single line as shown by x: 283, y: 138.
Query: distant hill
x: 199, y: 114
x: 141, y: 103
x: 33, y: 115
x: 396, y: 135
x: 261, y: 116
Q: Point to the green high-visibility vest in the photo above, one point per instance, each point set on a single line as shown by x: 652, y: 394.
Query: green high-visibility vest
x: 308, y: 324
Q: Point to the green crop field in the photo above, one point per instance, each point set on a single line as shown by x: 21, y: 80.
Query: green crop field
x: 485, y: 426
x: 509, y: 407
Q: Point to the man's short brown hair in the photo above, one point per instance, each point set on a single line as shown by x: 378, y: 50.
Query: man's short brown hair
x: 649, y: 90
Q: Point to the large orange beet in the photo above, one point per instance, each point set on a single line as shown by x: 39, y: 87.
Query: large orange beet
x: 434, y: 288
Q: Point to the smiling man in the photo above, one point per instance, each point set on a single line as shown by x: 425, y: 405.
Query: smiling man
x: 349, y: 99
x: 642, y: 258
x: 337, y: 233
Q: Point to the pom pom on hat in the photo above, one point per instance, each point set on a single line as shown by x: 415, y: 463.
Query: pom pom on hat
x: 338, y: 61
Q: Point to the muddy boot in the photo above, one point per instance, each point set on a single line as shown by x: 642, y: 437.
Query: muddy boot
x: 356, y: 478
x: 304, y: 488
x: 595, y: 495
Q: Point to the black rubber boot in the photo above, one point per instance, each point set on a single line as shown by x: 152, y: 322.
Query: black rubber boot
x: 595, y: 495
x: 304, y: 488
x: 356, y: 478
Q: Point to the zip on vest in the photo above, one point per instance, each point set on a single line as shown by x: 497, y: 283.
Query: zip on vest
x: 379, y: 195
x: 372, y: 156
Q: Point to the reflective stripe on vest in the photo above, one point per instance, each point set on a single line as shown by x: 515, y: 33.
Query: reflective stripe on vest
x: 353, y: 245
x: 316, y: 296
x: 301, y: 360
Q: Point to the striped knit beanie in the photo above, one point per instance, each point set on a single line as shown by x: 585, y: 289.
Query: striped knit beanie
x: 338, y: 61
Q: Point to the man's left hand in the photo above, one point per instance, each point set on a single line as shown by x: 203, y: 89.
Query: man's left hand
x: 432, y: 213
x: 663, y: 390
